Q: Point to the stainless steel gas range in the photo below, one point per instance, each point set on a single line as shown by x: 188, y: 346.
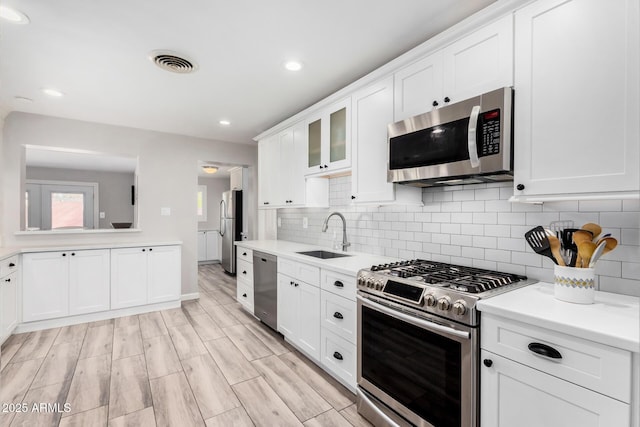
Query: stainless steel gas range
x: 418, y: 341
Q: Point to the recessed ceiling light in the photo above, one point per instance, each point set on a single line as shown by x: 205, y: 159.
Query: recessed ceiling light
x: 224, y: 122
x: 23, y: 99
x: 13, y: 16
x: 293, y: 66
x: 52, y: 92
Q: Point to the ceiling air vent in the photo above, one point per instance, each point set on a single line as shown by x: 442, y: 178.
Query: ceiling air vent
x: 172, y: 61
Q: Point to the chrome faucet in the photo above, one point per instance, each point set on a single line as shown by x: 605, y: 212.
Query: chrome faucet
x: 345, y: 244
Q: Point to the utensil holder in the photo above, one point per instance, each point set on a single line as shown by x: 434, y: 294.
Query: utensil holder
x: 574, y: 284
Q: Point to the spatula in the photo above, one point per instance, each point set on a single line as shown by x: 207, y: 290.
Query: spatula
x: 554, y: 244
x: 539, y: 242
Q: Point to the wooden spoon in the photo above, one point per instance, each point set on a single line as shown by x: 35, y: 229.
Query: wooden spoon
x: 611, y: 244
x: 554, y: 244
x: 595, y: 229
x: 580, y: 236
x: 585, y: 250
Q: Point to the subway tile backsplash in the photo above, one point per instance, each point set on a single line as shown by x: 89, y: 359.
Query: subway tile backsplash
x: 472, y: 225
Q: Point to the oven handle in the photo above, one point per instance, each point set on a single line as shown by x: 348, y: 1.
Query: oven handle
x: 377, y: 410
x: 471, y: 142
x: 413, y: 320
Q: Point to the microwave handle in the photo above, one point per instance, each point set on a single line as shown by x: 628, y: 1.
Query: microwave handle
x: 471, y: 143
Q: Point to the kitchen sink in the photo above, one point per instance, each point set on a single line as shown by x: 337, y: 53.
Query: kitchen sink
x: 323, y: 254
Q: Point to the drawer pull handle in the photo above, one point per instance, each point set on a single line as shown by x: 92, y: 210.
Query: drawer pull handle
x: 544, y: 350
x: 337, y: 355
x: 244, y: 295
x: 338, y: 284
x: 338, y: 315
x: 11, y: 264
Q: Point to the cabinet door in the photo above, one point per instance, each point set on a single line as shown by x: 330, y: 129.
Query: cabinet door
x: 549, y: 401
x: 212, y: 243
x: 89, y: 281
x: 284, y: 167
x: 314, y: 145
x: 268, y: 157
x: 372, y: 112
x: 309, y: 319
x: 8, y: 304
x: 418, y: 87
x: 128, y: 277
x: 576, y: 97
x: 287, y: 306
x: 45, y: 286
x: 338, y: 143
x: 164, y: 273
x: 202, y: 246
x: 479, y: 62
x: 296, y: 184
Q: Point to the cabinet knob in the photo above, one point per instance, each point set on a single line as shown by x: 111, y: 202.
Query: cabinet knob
x: 325, y: 166
x: 244, y: 272
x: 150, y: 249
x: 265, y: 203
x: 487, y: 362
x: 337, y: 355
x: 244, y: 254
x: 244, y: 295
x: 338, y: 284
x: 8, y: 280
x: 520, y: 187
x: 73, y: 254
x: 338, y: 315
x: 435, y: 103
x: 295, y: 285
x: 353, y: 197
x: 321, y: 167
x: 64, y: 254
x: 291, y: 282
x: 11, y: 264
x: 447, y: 99
x: 144, y: 250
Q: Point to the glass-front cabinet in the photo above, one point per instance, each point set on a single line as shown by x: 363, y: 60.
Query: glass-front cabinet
x: 329, y: 139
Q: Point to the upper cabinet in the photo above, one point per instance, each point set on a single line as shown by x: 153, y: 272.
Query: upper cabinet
x: 472, y: 65
x: 576, y: 100
x: 372, y: 111
x: 329, y: 139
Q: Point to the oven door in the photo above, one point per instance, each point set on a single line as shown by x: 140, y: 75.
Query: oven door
x: 423, y: 370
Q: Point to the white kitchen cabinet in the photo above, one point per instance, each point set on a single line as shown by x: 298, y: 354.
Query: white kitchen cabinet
x: 338, y: 356
x: 268, y: 164
x: 372, y: 112
x: 208, y: 246
x: 577, y: 97
x: 516, y: 395
x: 564, y: 380
x: 145, y: 275
x: 477, y: 63
x: 8, y: 297
x: 202, y: 246
x: 238, y: 177
x: 299, y: 314
x: 89, y: 281
x: 329, y: 139
x: 244, y: 281
x: 62, y: 283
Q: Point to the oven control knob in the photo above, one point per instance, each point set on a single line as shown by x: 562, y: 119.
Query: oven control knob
x: 444, y: 303
x: 369, y: 283
x: 459, y: 307
x: 430, y: 300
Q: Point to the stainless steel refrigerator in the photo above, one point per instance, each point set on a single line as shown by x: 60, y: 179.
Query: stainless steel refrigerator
x: 230, y: 227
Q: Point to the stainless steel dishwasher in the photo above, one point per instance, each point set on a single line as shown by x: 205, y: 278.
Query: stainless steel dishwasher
x: 265, y: 288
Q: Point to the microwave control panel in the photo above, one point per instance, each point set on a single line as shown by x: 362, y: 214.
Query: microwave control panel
x: 490, y: 133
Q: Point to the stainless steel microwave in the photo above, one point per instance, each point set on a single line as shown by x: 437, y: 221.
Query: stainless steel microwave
x: 463, y: 143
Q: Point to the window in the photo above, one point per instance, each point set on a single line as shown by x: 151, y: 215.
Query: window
x: 67, y: 210
x: 201, y: 211
x: 54, y: 205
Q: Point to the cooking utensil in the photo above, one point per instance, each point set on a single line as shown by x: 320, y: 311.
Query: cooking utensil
x: 597, y: 253
x: 611, y: 244
x: 595, y: 229
x: 585, y: 250
x: 554, y: 244
x: 539, y: 242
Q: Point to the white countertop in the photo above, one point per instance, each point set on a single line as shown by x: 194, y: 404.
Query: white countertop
x: 612, y: 320
x: 346, y: 265
x: 7, y: 252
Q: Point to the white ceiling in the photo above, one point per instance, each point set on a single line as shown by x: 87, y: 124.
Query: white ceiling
x: 96, y: 53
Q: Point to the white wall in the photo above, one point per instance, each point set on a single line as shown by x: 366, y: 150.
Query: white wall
x: 215, y: 188
x: 167, y: 178
x: 473, y: 225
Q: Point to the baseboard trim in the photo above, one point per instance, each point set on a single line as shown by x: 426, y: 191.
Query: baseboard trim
x: 192, y: 295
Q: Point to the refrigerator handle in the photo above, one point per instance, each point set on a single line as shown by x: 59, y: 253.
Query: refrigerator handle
x: 222, y: 223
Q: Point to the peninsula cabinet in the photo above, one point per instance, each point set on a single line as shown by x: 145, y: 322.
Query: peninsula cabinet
x: 63, y: 283
x: 470, y: 66
x: 329, y: 139
x: 577, y: 97
x: 145, y: 275
x: 8, y: 297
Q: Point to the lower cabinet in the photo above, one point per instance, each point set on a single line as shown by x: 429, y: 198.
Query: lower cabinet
x: 145, y: 275
x: 63, y: 283
x: 8, y: 297
x: 339, y: 357
x: 299, y: 314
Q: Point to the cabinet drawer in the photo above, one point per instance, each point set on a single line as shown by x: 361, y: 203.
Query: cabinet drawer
x: 340, y: 284
x: 297, y: 270
x: 244, y: 254
x: 338, y: 315
x: 339, y: 357
x: 245, y: 270
x: 598, y: 367
x: 244, y: 294
x: 8, y: 266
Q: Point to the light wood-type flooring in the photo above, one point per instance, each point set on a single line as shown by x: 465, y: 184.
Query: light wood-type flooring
x: 207, y: 363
